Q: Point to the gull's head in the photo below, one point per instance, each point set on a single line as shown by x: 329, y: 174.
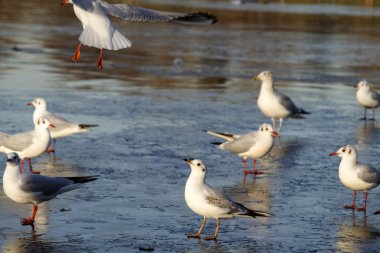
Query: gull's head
x: 43, y: 122
x: 347, y: 151
x: 264, y: 76
x: 197, y: 166
x: 38, y: 103
x: 362, y: 84
x: 267, y: 129
x: 64, y: 2
x: 13, y: 158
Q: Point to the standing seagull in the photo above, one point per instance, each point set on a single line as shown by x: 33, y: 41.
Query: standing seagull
x: 62, y: 126
x: 209, y: 203
x: 99, y: 32
x: 33, y: 189
x: 28, y: 144
x: 367, y: 97
x: 252, y: 145
x: 357, y: 177
x: 274, y: 104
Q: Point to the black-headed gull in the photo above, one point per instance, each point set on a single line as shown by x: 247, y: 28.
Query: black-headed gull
x: 367, y: 97
x: 33, y: 189
x: 252, y: 145
x: 62, y: 128
x: 99, y: 32
x: 210, y: 203
x: 273, y: 104
x: 28, y: 144
x: 357, y: 177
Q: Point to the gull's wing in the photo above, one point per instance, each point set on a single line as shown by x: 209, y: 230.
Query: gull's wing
x: 368, y: 174
x: 59, y: 122
x: 226, y: 136
x: 43, y: 184
x: 374, y: 94
x: 241, y: 144
x: 286, y: 102
x: 87, y: 5
x: 17, y: 142
x: 134, y: 13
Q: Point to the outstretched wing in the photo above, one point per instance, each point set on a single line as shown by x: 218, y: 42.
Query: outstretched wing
x: 87, y: 5
x: 134, y: 13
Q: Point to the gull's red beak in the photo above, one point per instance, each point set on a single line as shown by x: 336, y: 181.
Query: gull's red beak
x: 334, y: 154
x: 275, y: 134
x: 188, y: 160
x: 30, y: 104
x: 51, y: 125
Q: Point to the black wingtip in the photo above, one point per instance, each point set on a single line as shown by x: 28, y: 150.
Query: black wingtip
x: 84, y: 126
x: 216, y: 143
x: 200, y: 18
x: 82, y: 180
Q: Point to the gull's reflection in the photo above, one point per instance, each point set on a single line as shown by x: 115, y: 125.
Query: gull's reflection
x: 365, y: 133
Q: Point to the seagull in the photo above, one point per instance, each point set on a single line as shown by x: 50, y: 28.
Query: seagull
x: 367, y: 97
x: 210, y: 203
x: 252, y: 145
x: 99, y: 32
x: 33, y: 189
x: 273, y: 104
x: 357, y: 177
x: 28, y: 144
x: 62, y: 128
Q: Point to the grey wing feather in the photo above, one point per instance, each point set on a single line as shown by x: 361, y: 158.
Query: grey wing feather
x: 87, y: 5
x: 287, y: 103
x: 59, y: 122
x: 241, y: 144
x: 134, y: 13
x: 218, y: 199
x: 368, y: 174
x: 375, y: 95
x: 16, y: 142
x: 44, y: 184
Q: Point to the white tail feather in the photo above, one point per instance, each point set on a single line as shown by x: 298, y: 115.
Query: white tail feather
x: 91, y: 38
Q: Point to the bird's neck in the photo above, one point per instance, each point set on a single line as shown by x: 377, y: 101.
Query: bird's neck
x: 11, y: 172
x: 267, y: 85
x: 195, y: 180
x: 348, y: 163
x: 38, y: 112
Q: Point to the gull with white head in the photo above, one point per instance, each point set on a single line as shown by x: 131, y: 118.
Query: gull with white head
x: 273, y: 104
x: 28, y: 144
x: 355, y: 176
x: 367, y: 97
x: 99, y: 32
x: 253, y: 145
x: 33, y: 189
x: 62, y: 127
x: 210, y: 203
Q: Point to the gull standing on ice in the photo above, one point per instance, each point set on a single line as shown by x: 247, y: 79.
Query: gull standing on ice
x: 62, y: 128
x: 33, y: 189
x: 252, y: 145
x: 99, y: 32
x: 367, y: 97
x: 357, y: 177
x: 28, y: 144
x: 209, y: 203
x: 274, y: 104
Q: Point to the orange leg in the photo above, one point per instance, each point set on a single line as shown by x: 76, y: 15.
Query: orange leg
x: 245, y: 167
x: 255, y: 171
x: 99, y: 64
x: 197, y: 235
x: 364, y: 207
x: 30, y: 167
x: 30, y: 220
x: 352, y: 206
x: 22, y: 165
x: 213, y: 237
x: 76, y: 56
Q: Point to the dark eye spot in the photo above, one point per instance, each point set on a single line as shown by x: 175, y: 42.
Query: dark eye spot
x: 203, y: 170
x: 344, y: 150
x: 262, y: 129
x: 198, y: 164
x: 266, y: 129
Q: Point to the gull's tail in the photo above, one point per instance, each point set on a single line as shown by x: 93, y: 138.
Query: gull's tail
x: 90, y: 37
x: 302, y: 111
x: 252, y: 213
